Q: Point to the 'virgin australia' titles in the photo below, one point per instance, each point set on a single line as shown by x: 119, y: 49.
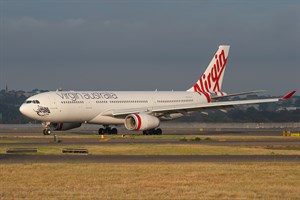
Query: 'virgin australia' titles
x: 75, y: 96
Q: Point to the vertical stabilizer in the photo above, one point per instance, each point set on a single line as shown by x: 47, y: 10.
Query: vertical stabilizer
x: 211, y: 80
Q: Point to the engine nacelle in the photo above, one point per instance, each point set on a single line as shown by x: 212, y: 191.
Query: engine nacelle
x: 64, y: 126
x: 141, y: 122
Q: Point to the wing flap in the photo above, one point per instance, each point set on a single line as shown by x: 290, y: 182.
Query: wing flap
x: 237, y: 94
x: 214, y: 105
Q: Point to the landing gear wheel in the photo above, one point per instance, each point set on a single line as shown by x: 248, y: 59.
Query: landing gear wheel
x: 47, y: 132
x: 158, y: 131
x: 145, y: 132
x: 107, y: 130
x: 114, y: 131
x: 101, y: 131
x: 152, y: 132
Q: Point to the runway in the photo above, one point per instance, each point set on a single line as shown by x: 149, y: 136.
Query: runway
x: 225, y: 137
x: 36, y: 130
x: 144, y: 158
x: 46, y: 141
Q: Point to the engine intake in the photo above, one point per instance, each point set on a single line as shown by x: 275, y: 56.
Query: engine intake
x: 136, y: 122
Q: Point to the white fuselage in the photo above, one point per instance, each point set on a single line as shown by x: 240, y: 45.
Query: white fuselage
x: 92, y: 106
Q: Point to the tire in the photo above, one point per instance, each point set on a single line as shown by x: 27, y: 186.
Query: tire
x: 158, y: 131
x: 48, y: 131
x: 114, y: 131
x: 101, y: 131
x: 44, y: 132
x: 107, y: 131
x: 146, y: 132
x: 152, y: 132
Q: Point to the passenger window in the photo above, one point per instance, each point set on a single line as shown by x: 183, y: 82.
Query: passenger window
x: 28, y: 102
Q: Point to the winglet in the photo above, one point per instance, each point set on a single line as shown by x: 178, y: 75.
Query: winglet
x: 289, y: 95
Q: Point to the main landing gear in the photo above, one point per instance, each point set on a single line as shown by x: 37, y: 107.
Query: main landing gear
x: 157, y: 131
x: 107, y: 130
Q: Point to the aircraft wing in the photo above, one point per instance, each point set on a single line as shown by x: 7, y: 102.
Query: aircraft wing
x: 193, y: 107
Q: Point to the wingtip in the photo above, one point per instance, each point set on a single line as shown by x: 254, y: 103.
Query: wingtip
x: 289, y: 95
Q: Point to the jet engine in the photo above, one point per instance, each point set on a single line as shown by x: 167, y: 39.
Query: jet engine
x: 140, y: 122
x: 64, y: 126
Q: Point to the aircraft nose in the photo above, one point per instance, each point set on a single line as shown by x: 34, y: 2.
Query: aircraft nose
x: 23, y: 110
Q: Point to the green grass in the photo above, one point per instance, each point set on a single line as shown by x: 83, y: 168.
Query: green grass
x: 192, y: 145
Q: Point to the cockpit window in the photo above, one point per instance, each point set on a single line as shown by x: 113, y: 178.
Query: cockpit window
x: 33, y: 101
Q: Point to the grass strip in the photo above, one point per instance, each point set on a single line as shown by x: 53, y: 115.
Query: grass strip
x: 160, y: 149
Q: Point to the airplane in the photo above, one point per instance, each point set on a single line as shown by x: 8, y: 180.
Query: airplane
x: 137, y: 110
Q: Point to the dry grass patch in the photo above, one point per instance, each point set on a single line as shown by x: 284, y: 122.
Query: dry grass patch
x: 151, y: 181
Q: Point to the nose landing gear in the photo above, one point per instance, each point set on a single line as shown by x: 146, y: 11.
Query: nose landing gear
x: 47, y: 131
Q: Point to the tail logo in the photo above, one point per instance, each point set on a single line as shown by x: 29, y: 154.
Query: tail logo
x: 210, y: 82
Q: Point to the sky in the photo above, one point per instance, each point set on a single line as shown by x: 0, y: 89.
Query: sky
x: 148, y: 45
